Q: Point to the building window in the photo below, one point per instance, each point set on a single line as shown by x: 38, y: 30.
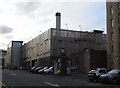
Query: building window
x: 112, y: 48
x: 65, y: 34
x: 119, y: 4
x: 111, y: 10
x: 75, y: 41
x: 119, y: 18
x: 54, y: 33
x: 119, y: 35
x: 60, y: 40
x: 112, y: 22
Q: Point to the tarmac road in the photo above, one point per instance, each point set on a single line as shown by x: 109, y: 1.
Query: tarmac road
x: 18, y: 78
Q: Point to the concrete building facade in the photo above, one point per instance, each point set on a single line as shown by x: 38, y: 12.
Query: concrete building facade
x: 2, y: 57
x: 45, y: 48
x: 78, y: 46
x: 113, y: 33
x: 13, y: 56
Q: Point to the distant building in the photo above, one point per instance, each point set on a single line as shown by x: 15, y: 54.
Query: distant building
x: 113, y: 34
x: 13, y: 57
x: 2, y: 57
x: 45, y: 48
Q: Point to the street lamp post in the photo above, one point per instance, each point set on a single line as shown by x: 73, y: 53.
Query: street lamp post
x: 66, y: 26
x: 80, y: 27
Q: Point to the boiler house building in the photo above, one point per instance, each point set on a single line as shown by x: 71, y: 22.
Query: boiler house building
x: 85, y: 50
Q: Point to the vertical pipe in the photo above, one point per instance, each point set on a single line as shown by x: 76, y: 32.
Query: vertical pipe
x: 58, y: 20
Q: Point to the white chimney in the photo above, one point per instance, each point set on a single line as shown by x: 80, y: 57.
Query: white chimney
x: 58, y: 20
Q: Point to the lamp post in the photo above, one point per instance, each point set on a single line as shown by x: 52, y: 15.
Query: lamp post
x: 66, y: 26
x: 80, y: 27
x: 39, y: 32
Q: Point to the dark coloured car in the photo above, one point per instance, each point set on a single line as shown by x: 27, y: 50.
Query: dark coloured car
x: 94, y: 75
x: 112, y: 76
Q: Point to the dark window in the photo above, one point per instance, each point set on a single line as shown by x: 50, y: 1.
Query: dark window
x: 119, y: 73
x: 111, y: 10
x: 75, y: 40
x: 102, y: 71
x: 60, y: 40
x: 119, y: 18
x: 119, y: 4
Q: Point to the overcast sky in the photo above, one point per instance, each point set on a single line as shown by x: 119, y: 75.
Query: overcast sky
x: 25, y: 19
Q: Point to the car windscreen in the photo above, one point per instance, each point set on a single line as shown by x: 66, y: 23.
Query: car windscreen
x: 102, y: 71
x: 113, y: 72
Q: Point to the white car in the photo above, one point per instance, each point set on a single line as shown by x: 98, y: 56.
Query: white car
x: 94, y: 75
x: 32, y: 69
x: 49, y: 70
x: 42, y: 70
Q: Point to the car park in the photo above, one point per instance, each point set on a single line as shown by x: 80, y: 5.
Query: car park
x: 112, y: 76
x: 49, y: 70
x: 94, y: 75
x: 42, y: 70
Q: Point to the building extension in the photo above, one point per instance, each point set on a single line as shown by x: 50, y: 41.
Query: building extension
x: 2, y: 57
x: 113, y: 33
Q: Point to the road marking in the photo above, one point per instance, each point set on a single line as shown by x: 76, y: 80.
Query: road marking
x: 52, y: 84
x: 13, y: 73
x: 3, y: 85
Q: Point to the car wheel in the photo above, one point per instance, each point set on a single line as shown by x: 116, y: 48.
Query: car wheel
x: 114, y: 81
x: 98, y: 79
x: 91, y: 80
x: 49, y: 72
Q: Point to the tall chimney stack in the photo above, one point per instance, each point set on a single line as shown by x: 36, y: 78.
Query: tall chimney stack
x: 58, y: 20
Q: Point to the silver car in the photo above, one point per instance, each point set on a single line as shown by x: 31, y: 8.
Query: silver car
x: 49, y: 70
x: 42, y: 70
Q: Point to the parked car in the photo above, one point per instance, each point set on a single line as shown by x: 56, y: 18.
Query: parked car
x: 42, y: 70
x: 73, y: 69
x: 36, y: 69
x: 94, y: 75
x: 23, y: 68
x: 112, y: 76
x: 32, y: 69
x: 49, y: 70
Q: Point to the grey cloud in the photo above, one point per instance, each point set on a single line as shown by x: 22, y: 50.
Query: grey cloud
x: 5, y: 29
x: 46, y: 20
x: 46, y: 13
x: 28, y: 7
x: 43, y: 17
x: 33, y: 8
